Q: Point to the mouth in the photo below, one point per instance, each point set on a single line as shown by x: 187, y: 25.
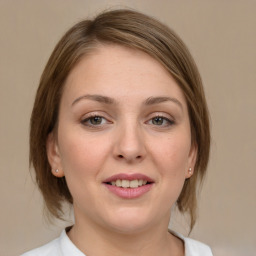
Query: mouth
x: 128, y: 183
x: 129, y: 186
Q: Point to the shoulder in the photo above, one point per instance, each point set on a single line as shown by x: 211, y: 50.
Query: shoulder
x: 193, y: 247
x: 196, y: 248
x: 50, y: 249
x: 61, y: 246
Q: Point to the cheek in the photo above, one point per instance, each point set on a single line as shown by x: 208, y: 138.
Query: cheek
x: 81, y: 155
x: 82, y: 160
x: 171, y: 161
x: 172, y: 155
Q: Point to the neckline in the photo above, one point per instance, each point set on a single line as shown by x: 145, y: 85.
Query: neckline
x: 69, y: 247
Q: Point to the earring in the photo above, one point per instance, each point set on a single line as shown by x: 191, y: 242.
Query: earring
x: 56, y: 170
x: 190, y: 170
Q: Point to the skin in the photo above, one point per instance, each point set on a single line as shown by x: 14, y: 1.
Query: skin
x: 130, y: 138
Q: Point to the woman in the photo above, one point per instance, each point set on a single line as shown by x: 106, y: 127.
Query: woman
x: 120, y: 130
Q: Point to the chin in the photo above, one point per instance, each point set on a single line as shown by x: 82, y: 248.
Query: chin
x: 129, y: 228
x: 130, y: 221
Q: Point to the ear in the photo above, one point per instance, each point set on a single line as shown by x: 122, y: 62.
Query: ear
x: 54, y: 156
x: 191, y: 160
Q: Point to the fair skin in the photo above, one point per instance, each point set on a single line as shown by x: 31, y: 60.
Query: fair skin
x: 122, y: 113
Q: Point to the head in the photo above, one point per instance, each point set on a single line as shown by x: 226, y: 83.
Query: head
x: 138, y: 32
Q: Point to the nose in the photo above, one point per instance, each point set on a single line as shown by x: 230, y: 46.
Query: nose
x: 129, y: 144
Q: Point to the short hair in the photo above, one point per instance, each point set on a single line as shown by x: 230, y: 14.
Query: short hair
x: 130, y: 29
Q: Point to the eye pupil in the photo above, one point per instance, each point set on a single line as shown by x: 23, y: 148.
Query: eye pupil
x: 157, y: 120
x: 96, y: 120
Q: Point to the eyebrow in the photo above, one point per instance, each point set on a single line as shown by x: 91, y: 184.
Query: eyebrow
x: 95, y: 97
x: 111, y: 101
x: 157, y: 100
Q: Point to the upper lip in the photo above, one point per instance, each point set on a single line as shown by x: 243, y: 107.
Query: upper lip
x: 126, y: 176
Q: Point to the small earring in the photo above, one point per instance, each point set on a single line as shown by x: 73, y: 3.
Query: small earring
x: 190, y: 170
x: 56, y: 170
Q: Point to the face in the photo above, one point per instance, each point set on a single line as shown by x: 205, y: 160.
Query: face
x: 123, y: 141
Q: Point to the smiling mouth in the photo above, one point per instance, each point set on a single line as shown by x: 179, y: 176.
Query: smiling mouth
x: 129, y: 186
x: 128, y: 183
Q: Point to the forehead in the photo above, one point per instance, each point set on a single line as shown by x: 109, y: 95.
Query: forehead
x: 120, y: 71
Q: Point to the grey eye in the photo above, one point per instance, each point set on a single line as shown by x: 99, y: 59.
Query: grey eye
x: 96, y: 120
x: 161, y: 121
x: 158, y: 120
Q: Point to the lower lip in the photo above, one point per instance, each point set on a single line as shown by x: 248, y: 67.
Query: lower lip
x: 129, y: 193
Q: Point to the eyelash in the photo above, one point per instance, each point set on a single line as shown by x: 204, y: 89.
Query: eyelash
x: 87, y: 121
x: 169, y: 121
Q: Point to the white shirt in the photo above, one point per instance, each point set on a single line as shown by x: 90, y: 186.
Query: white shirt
x: 63, y: 246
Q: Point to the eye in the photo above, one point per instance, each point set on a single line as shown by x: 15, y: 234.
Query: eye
x: 94, y: 120
x: 161, y: 121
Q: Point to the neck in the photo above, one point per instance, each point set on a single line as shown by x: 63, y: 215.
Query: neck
x: 92, y: 239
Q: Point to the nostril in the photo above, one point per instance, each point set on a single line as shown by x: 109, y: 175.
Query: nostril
x: 129, y: 158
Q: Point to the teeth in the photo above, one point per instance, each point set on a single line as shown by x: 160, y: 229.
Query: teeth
x: 125, y: 183
x: 119, y: 183
x: 134, y: 183
x: 128, y: 183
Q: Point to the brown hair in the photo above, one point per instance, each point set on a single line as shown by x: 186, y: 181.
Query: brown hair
x: 134, y: 30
